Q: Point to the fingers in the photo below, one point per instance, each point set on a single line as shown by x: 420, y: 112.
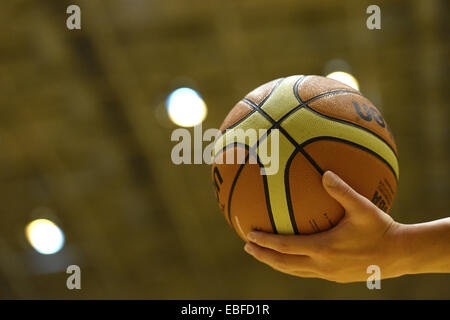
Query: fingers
x: 279, y: 261
x: 289, y: 244
x: 343, y: 193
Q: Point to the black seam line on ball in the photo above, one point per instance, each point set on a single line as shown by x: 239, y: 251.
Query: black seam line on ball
x: 280, y: 80
x: 242, y: 119
x: 276, y: 125
x: 331, y: 93
x: 288, y: 191
x: 297, y: 83
x: 257, y: 108
x: 305, y: 105
x: 266, y: 191
x: 266, y: 187
x: 234, y: 144
x: 297, y: 146
x: 353, y: 125
x: 354, y: 145
x: 269, y: 206
x: 252, y: 105
x: 233, y: 185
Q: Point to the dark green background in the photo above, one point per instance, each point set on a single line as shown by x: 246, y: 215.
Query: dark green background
x: 84, y: 138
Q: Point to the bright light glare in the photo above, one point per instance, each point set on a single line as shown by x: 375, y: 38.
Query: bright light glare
x: 345, y: 77
x: 185, y: 107
x: 45, y: 236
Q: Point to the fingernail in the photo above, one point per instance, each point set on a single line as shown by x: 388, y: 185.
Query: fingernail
x: 251, y: 236
x: 330, y: 179
x: 248, y: 248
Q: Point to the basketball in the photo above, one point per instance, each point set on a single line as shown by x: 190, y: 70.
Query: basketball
x: 321, y: 124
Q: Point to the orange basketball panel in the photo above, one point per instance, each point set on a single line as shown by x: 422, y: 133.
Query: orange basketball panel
x: 314, y: 210
x: 240, y: 190
x: 313, y: 86
x: 223, y: 174
x: 355, y: 109
x: 240, y: 110
x: 363, y: 171
x: 248, y: 208
x: 259, y: 94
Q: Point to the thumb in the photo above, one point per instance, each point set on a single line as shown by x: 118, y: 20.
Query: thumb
x: 343, y: 193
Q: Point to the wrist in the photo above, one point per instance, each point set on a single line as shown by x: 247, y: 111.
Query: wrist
x: 397, y: 252
x: 423, y: 247
x: 404, y: 251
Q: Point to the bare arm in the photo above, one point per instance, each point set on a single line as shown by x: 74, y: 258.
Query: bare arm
x: 426, y: 246
x: 365, y: 236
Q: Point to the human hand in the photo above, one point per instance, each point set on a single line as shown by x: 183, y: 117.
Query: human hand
x: 365, y: 236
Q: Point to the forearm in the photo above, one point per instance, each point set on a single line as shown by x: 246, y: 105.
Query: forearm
x: 365, y: 236
x: 426, y: 247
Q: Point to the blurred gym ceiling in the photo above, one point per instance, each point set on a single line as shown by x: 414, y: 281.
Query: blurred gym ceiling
x: 85, y: 140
